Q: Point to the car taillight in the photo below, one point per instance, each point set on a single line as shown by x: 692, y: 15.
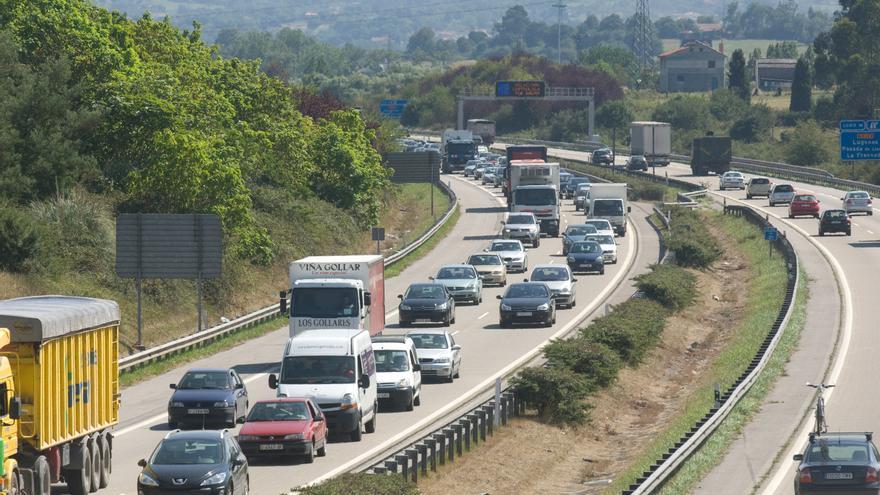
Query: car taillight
x: 805, y: 476
x: 871, y: 476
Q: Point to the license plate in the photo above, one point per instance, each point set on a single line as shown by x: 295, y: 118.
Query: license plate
x: 524, y: 313
x: 271, y: 446
x: 838, y: 476
x: 423, y: 320
x: 197, y: 411
x: 384, y: 395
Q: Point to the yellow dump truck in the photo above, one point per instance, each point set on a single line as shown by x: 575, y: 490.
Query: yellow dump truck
x: 59, y: 393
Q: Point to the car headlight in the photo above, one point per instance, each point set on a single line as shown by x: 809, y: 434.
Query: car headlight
x: 442, y: 360
x: 505, y: 307
x: 403, y: 383
x: 221, y: 404
x: 177, y: 404
x: 507, y: 231
x: 147, y: 480
x: 572, y: 259
x: 405, y: 307
x: 248, y: 438
x: 443, y: 306
x: 294, y: 436
x: 348, y: 402
x: 215, y: 479
x: 544, y: 307
x: 565, y: 290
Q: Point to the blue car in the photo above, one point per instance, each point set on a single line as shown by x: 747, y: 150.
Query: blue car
x: 208, y: 396
x: 586, y: 256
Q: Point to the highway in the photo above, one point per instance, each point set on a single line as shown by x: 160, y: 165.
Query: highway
x: 487, y: 349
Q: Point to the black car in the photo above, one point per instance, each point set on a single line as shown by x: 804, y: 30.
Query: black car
x: 572, y: 185
x: 208, y: 462
x: 528, y: 302
x: 586, y: 256
x: 838, y: 463
x: 208, y: 396
x: 637, y: 162
x: 426, y: 303
x: 602, y: 156
x: 835, y: 221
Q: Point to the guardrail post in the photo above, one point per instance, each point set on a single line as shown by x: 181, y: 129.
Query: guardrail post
x: 505, y: 408
x: 482, y: 415
x: 378, y: 469
x: 441, y: 444
x: 391, y: 466
x: 474, y: 421
x: 458, y: 447
x: 403, y: 462
x: 467, y: 434
x: 490, y: 410
x: 414, y: 457
x: 423, y: 453
x: 432, y: 446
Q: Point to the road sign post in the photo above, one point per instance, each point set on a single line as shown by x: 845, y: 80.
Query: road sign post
x: 859, y: 140
x: 771, y: 234
x: 378, y: 236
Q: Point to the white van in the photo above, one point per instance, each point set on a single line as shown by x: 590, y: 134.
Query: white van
x: 336, y: 369
x: 398, y: 371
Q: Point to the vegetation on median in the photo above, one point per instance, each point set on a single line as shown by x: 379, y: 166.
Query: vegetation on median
x: 356, y: 483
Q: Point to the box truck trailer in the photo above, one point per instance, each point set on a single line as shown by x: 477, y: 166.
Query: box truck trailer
x: 653, y: 140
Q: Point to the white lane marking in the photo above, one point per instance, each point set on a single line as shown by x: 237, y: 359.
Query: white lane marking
x: 551, y: 262
x: 483, y: 315
x: 455, y: 332
x: 870, y: 232
x: 558, y: 253
x: 855, y: 224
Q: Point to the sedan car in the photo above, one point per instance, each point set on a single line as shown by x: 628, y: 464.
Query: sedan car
x: 499, y: 176
x: 608, y: 245
x: 602, y: 156
x: 834, y: 221
x: 758, y: 186
x: 284, y: 427
x: 470, y: 167
x: 522, y: 226
x: 857, y: 202
x: 490, y: 267
x: 603, y: 227
x: 462, y: 281
x: 731, y: 180
x: 586, y: 256
x: 527, y: 302
x: 838, y: 463
x: 438, y: 353
x: 580, y: 197
x: 398, y: 373
x: 560, y: 281
x: 576, y: 233
x: 564, y: 177
x: 571, y: 186
x: 803, y: 204
x: 208, y: 396
x: 512, y: 252
x: 478, y: 172
x: 426, y: 303
x: 202, y: 461
x: 637, y: 162
x: 781, y: 193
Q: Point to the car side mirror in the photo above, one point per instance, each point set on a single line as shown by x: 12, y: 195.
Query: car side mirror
x: 798, y: 457
x: 430, y: 278
x: 364, y: 382
x: 499, y: 296
x: 417, y: 367
x: 368, y: 298
x: 456, y: 347
x: 273, y: 381
x: 629, y: 209
x: 14, y: 408
x: 238, y: 461
x: 142, y: 463
x: 319, y: 419
x: 574, y: 280
x: 239, y: 385
x: 172, y: 386
x: 400, y: 296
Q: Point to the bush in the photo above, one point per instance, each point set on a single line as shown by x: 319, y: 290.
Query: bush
x: 690, y: 240
x: 684, y: 112
x: 557, y: 393
x: 672, y: 286
x: 597, y: 362
x: 81, y: 232
x: 753, y: 125
x: 355, y: 483
x: 630, y: 330
x: 807, y: 145
x: 19, y: 239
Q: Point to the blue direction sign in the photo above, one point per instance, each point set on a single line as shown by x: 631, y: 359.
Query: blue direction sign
x: 392, y: 108
x: 860, y: 139
x: 771, y: 234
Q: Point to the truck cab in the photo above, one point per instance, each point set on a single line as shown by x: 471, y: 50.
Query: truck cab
x: 535, y: 186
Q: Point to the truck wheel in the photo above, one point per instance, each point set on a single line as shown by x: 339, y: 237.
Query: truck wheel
x: 79, y: 481
x: 42, y: 477
x: 355, y: 435
x: 15, y: 489
x: 95, y: 453
x: 370, y: 426
x: 106, y: 460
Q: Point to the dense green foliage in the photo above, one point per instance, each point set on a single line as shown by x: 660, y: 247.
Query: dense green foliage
x: 356, y: 483
x: 557, y: 393
x: 632, y: 329
x: 670, y: 285
x: 738, y: 78
x: 597, y: 362
x: 801, y: 88
x: 690, y: 240
x: 761, y: 21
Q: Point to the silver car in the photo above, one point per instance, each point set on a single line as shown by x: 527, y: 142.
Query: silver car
x: 731, y: 180
x: 491, y: 268
x: 462, y: 282
x: 512, y: 252
x: 857, y: 202
x: 522, y: 226
x: 608, y: 245
x: 560, y: 281
x: 580, y: 197
x: 603, y: 227
x: 489, y: 175
x: 438, y: 353
x: 781, y: 193
x: 758, y: 186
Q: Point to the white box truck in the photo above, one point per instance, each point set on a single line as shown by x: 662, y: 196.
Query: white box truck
x: 345, y: 292
x: 608, y: 201
x: 535, y: 186
x: 653, y: 140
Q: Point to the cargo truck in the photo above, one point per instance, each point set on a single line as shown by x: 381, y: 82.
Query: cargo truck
x: 329, y: 292
x: 59, y: 377
x: 483, y: 128
x: 710, y: 154
x: 653, y: 140
x: 456, y: 148
x: 535, y: 186
x: 525, y: 152
x: 608, y: 202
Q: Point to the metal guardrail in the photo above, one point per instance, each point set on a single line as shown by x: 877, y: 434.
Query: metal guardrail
x: 267, y: 313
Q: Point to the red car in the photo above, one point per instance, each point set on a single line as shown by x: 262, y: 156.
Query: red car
x: 803, y: 204
x: 284, y: 427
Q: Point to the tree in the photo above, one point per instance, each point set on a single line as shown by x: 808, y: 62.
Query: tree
x: 738, y: 77
x: 807, y: 145
x: 422, y: 41
x: 801, y: 88
x: 513, y: 26
x: 614, y: 115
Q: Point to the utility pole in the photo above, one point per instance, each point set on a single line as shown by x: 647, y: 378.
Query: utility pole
x: 561, y: 6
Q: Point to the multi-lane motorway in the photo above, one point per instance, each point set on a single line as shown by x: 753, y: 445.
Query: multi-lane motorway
x: 487, y: 349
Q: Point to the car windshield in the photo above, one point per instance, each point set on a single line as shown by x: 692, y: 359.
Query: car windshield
x: 586, y: 247
x: 177, y: 451
x: 835, y: 214
x: 804, y: 197
x: 602, y: 239
x: 484, y: 259
x: 451, y: 273
x: 535, y: 197
x: 526, y: 290
x: 858, y: 195
x: 599, y: 224
x: 299, y: 370
x: 611, y: 208
x: 579, y: 230
x: 582, y: 189
x: 279, y: 411
x: 425, y: 291
x: 389, y: 361
x: 733, y: 175
x: 506, y: 246
x: 575, y: 181
x: 549, y: 274
x: 324, y: 302
x: 783, y: 188
x: 217, y: 380
x: 521, y: 219
x: 832, y: 451
x: 429, y: 340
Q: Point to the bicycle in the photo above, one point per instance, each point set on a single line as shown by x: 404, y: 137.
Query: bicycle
x: 821, y: 424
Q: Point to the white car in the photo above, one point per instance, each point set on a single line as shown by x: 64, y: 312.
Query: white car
x: 608, y: 245
x: 857, y: 202
x: 560, y: 281
x: 512, y: 252
x: 438, y: 353
x: 732, y: 180
x: 398, y: 372
x: 781, y: 193
x: 603, y: 227
x: 522, y: 226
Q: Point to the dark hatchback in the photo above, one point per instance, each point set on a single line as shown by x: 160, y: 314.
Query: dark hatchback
x: 838, y: 463
x: 835, y: 221
x: 586, y: 256
x: 528, y: 302
x: 602, y: 156
x: 426, y: 303
x: 572, y: 185
x: 207, y: 462
x: 637, y: 162
x: 208, y: 396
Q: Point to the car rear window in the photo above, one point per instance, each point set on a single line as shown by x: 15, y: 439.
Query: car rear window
x: 836, y: 452
x: 858, y: 195
x: 835, y: 214
x: 760, y: 181
x: 784, y: 188
x: 804, y: 197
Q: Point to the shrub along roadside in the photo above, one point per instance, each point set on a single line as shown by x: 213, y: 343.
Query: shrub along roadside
x: 691, y: 241
x: 669, y: 285
x: 354, y: 483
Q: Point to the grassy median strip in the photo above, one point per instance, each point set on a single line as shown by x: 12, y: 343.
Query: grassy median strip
x: 766, y: 293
